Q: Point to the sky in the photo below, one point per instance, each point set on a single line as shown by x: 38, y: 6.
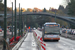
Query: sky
x: 36, y: 3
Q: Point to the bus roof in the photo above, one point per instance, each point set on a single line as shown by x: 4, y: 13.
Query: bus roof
x: 50, y: 23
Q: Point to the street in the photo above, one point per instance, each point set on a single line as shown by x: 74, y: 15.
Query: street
x: 63, y: 44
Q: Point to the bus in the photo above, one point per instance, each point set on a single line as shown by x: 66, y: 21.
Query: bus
x: 51, y: 31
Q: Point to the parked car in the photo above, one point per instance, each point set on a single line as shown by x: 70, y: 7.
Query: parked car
x: 73, y: 32
x: 64, y: 31
x: 0, y: 30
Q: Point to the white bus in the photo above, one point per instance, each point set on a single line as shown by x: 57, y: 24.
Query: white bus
x: 51, y: 31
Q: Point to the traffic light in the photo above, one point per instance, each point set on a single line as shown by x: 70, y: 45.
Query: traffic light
x: 29, y: 27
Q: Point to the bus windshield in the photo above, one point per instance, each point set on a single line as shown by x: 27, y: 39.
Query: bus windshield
x: 52, y: 30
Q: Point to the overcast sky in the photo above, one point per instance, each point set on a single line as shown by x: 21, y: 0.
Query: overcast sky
x: 36, y: 3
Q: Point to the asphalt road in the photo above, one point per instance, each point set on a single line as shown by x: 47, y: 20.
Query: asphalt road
x: 63, y: 44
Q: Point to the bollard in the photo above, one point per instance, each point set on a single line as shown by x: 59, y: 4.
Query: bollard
x: 40, y: 41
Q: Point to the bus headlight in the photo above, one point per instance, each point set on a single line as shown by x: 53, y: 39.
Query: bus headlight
x: 58, y: 36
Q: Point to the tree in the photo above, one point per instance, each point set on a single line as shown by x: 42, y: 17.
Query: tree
x: 37, y: 10
x: 61, y: 7
x: 23, y: 9
x: 71, y: 8
x: 44, y: 10
x: 17, y: 9
x: 2, y: 7
x: 66, y: 9
x: 29, y: 10
x: 60, y: 12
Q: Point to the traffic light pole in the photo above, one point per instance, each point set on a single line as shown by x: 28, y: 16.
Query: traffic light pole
x: 5, y: 24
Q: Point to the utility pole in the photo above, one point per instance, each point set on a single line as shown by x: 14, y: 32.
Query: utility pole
x: 5, y: 24
x: 12, y: 19
x: 19, y: 22
x: 15, y: 23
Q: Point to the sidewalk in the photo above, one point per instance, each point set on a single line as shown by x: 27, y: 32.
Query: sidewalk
x: 29, y: 43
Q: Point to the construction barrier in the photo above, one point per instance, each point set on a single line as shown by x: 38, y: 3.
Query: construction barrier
x: 43, y: 46
x: 40, y: 43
